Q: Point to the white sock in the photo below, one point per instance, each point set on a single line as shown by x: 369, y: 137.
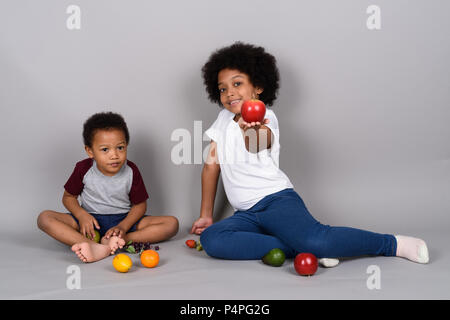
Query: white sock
x: 328, y: 262
x: 414, y: 249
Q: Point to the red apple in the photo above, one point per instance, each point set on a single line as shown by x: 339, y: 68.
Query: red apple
x: 253, y: 110
x: 306, y: 264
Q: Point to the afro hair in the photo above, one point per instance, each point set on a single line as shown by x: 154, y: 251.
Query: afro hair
x: 103, y: 121
x: 254, y: 61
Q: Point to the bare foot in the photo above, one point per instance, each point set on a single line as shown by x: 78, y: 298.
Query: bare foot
x: 113, y: 243
x: 90, y: 251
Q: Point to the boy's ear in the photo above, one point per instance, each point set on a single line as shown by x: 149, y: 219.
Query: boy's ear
x: 89, y: 152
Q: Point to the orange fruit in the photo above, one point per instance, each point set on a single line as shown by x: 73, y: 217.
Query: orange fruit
x: 149, y: 258
x: 122, y: 262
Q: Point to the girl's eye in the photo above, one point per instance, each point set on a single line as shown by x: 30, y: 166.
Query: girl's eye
x: 222, y: 90
x: 237, y: 84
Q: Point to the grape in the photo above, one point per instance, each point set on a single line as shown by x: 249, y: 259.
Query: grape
x: 141, y: 246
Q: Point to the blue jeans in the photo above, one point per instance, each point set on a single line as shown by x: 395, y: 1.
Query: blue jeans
x: 107, y: 221
x: 281, y: 220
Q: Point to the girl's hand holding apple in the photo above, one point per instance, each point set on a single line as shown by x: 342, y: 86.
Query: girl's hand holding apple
x: 252, y: 114
x: 247, y: 125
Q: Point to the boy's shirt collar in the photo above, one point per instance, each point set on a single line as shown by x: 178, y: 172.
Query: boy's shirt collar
x: 97, y: 170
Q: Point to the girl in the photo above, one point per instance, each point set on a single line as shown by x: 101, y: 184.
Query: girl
x: 268, y: 212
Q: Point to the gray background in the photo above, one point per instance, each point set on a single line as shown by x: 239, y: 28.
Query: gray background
x: 363, y: 114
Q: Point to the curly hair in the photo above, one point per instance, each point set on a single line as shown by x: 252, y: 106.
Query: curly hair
x: 254, y: 61
x: 103, y: 121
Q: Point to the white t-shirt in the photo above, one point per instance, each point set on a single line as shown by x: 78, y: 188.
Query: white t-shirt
x: 247, y: 177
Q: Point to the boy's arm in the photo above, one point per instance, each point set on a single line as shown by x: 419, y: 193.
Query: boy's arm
x: 210, y: 177
x: 136, y: 212
x: 85, y: 220
x: 71, y: 203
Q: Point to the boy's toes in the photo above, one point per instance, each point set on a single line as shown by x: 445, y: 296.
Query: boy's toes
x: 81, y: 257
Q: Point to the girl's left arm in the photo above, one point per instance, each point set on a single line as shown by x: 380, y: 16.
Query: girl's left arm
x: 257, y: 136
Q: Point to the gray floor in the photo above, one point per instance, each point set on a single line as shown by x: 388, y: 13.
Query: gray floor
x: 34, y: 266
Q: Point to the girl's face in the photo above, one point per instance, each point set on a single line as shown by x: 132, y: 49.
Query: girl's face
x: 235, y: 88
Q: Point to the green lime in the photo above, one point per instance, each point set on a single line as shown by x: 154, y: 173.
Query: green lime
x: 97, y: 236
x: 274, y: 257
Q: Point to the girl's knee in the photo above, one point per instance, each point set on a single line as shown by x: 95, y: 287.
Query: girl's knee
x: 208, y: 239
x: 215, y: 240
x: 205, y: 237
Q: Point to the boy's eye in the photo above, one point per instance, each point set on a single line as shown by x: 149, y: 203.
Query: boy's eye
x: 104, y: 149
x: 121, y: 148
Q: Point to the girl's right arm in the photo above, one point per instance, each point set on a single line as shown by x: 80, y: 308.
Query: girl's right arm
x: 210, y: 177
x: 86, y: 221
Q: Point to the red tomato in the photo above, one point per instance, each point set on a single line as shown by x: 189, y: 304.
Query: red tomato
x: 191, y: 243
x: 306, y: 264
x: 253, y: 110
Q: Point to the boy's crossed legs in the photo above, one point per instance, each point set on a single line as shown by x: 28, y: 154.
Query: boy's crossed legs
x: 65, y: 229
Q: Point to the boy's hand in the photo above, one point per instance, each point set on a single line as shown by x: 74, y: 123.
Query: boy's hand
x: 115, y: 231
x: 201, y: 224
x: 87, y: 224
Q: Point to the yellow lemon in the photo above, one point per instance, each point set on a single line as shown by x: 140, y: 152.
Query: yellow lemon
x: 122, y: 262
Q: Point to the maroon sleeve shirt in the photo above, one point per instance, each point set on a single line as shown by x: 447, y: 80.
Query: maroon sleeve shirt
x: 102, y: 194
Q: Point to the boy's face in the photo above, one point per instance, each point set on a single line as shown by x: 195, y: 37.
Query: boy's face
x: 235, y: 87
x: 109, y: 150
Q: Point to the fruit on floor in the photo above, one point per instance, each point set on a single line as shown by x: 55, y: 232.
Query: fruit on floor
x: 138, y: 247
x: 97, y: 236
x: 191, y: 243
x: 122, y: 262
x: 149, y: 258
x: 274, y: 257
x: 305, y: 264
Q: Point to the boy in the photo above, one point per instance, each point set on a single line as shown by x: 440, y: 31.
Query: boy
x: 113, y: 197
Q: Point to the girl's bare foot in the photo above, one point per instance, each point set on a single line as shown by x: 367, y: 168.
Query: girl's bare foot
x: 90, y: 251
x: 113, y: 243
